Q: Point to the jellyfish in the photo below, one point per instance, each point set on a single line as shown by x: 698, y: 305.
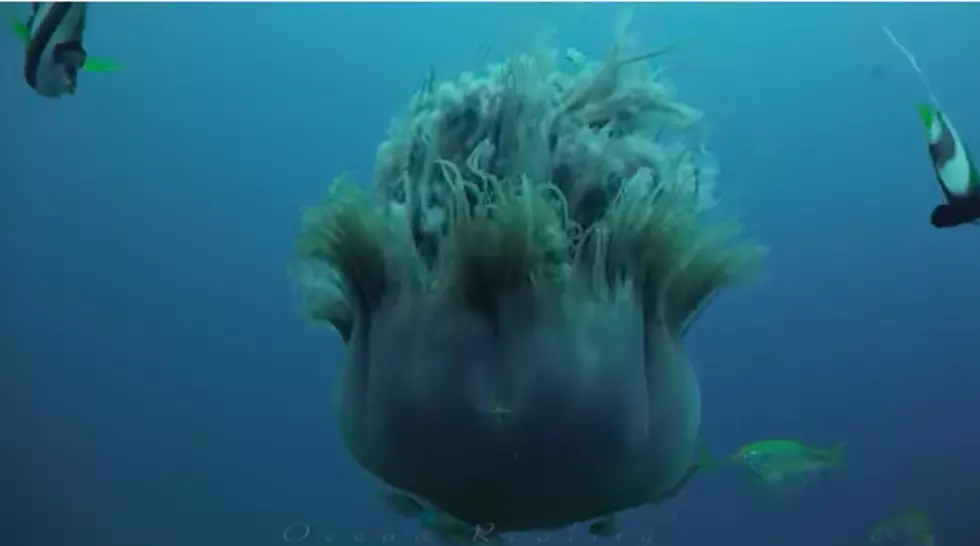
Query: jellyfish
x: 513, y: 294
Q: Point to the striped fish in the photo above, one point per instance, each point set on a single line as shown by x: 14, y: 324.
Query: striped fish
x: 53, y: 36
x: 955, y: 171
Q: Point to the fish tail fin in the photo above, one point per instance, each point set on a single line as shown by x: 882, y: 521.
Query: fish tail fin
x: 835, y: 455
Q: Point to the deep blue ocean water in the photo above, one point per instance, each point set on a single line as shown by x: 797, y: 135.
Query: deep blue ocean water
x: 160, y: 386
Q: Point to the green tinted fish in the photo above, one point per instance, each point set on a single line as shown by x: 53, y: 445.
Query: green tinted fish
x: 786, y: 464
x: 910, y: 528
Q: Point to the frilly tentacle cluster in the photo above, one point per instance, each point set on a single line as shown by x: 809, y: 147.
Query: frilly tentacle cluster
x: 542, y: 169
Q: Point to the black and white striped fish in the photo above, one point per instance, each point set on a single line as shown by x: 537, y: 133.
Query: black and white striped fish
x: 54, y: 54
x: 955, y: 171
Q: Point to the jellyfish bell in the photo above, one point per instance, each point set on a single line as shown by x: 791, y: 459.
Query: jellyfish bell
x: 513, y: 305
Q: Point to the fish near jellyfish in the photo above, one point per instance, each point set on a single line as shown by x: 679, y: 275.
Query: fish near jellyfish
x: 514, y: 295
x: 53, y: 37
x: 786, y: 465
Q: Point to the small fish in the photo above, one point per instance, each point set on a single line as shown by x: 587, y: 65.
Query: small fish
x: 786, y: 464
x: 955, y: 171
x: 54, y: 53
x: 604, y: 527
x: 402, y: 504
x: 911, y: 528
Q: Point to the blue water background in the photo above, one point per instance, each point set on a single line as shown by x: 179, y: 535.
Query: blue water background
x: 160, y: 387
